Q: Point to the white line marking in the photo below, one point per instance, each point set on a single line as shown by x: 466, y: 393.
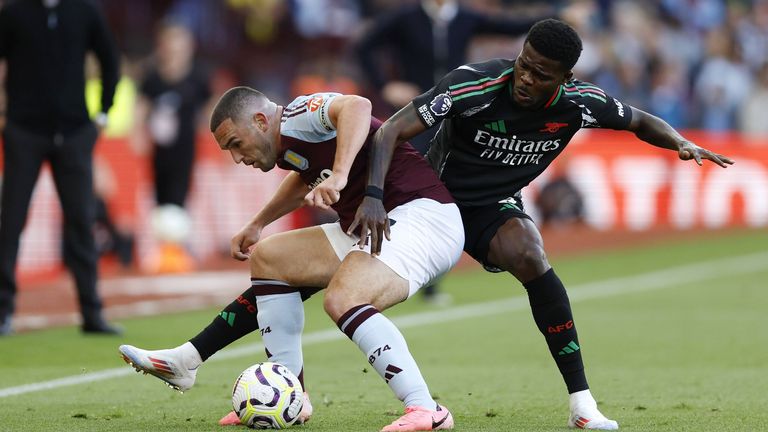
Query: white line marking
x: 680, y: 275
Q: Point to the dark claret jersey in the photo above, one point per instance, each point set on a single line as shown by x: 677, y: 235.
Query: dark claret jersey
x: 488, y: 147
x: 308, y: 146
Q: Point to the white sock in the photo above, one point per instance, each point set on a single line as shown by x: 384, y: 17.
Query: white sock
x: 281, y: 321
x: 388, y: 353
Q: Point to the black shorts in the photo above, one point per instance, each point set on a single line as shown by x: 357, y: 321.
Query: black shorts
x: 482, y: 222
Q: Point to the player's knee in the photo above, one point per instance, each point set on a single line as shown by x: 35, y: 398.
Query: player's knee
x: 526, y: 260
x: 336, y: 303
x: 262, y: 264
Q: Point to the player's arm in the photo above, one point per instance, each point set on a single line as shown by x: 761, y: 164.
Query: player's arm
x: 351, y: 116
x: 288, y: 197
x: 656, y: 131
x: 371, y: 216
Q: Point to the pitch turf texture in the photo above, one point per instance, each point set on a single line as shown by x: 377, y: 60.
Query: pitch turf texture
x: 674, y: 338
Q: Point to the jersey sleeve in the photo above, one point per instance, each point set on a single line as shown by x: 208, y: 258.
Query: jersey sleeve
x: 307, y: 117
x: 462, y: 92
x: 600, y: 110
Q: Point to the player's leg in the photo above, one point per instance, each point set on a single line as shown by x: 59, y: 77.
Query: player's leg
x: 281, y: 267
x: 286, y: 269
x: 518, y: 248
x: 426, y: 242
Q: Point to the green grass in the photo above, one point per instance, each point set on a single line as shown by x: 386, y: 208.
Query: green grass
x: 691, y: 356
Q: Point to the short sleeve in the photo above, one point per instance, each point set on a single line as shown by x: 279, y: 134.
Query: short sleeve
x: 307, y: 117
x: 462, y: 92
x: 600, y: 110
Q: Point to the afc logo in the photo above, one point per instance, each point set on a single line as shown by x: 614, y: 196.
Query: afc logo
x: 560, y: 327
x: 315, y: 103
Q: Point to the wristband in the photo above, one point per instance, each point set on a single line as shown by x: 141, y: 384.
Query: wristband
x: 374, y: 192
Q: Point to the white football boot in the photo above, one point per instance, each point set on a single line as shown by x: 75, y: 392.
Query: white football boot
x: 585, y: 415
x: 177, y: 366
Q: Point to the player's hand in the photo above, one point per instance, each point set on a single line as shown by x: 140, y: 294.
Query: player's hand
x: 689, y: 150
x: 372, y: 218
x: 240, y: 246
x: 327, y: 192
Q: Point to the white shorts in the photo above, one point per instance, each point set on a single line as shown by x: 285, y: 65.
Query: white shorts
x: 427, y: 240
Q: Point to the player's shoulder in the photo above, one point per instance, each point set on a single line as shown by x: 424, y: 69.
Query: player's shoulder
x: 478, y: 84
x: 498, y: 68
x: 310, y: 102
x: 583, y: 92
x: 307, y: 117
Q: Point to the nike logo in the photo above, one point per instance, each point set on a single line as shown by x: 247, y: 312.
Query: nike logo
x: 436, y: 424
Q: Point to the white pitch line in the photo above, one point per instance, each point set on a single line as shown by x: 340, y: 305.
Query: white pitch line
x: 674, y: 276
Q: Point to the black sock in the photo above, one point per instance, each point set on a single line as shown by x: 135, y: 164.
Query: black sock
x: 235, y: 321
x: 552, y: 313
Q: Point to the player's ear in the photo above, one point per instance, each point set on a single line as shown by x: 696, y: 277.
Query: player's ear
x: 567, y: 77
x: 261, y: 121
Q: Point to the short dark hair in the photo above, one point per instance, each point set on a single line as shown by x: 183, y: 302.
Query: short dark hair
x: 555, y: 40
x: 233, y: 104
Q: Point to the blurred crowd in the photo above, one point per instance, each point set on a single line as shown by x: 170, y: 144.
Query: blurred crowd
x: 698, y: 64
x: 695, y: 63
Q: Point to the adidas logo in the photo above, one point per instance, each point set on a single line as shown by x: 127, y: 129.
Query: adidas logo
x: 497, y: 126
x: 229, y: 317
x: 509, y: 206
x: 391, y: 372
x: 571, y: 348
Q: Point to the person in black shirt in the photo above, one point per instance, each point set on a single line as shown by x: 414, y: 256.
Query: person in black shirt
x: 172, y: 95
x: 427, y: 39
x: 44, y: 43
x: 502, y: 122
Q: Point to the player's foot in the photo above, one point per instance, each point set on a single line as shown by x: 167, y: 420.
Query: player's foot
x: 232, y: 418
x: 306, y: 410
x: 585, y: 415
x: 422, y: 419
x: 177, y: 366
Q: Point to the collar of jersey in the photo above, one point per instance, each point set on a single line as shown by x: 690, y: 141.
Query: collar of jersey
x: 552, y: 100
x: 555, y: 97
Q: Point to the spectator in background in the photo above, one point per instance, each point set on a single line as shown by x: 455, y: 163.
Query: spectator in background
x: 172, y: 95
x: 752, y: 114
x: 44, y: 43
x: 559, y: 202
x: 425, y: 40
x: 723, y: 84
x: 111, y: 238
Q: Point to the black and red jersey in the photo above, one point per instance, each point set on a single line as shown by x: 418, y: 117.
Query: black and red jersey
x: 488, y: 147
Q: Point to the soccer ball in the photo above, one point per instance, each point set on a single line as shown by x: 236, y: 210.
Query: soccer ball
x: 267, y: 396
x: 170, y: 223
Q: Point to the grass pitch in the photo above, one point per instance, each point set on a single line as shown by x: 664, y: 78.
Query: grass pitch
x: 673, y: 339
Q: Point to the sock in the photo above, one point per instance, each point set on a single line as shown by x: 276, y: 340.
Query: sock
x: 282, y: 320
x: 552, y: 313
x: 235, y: 321
x: 388, y: 353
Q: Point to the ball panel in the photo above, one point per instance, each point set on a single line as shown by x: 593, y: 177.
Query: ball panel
x: 267, y: 396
